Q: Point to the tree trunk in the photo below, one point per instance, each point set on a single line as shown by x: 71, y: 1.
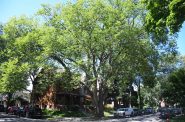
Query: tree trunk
x: 8, y: 102
x: 115, y: 103
x: 98, y: 99
x: 32, y: 98
x: 99, y: 106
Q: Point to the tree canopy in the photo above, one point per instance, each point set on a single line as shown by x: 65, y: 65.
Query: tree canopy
x: 102, y: 40
x: 21, y: 54
x: 174, y: 92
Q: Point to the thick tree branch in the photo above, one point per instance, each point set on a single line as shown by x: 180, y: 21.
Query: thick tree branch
x: 27, y: 90
x: 54, y: 57
x: 88, y: 89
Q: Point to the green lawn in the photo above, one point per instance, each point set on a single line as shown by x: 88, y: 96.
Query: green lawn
x: 178, y: 119
x: 57, y: 114
x: 108, y: 111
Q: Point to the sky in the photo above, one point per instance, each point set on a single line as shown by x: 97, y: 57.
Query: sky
x: 9, y: 8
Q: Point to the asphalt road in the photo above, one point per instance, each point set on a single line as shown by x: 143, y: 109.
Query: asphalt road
x: 144, y: 118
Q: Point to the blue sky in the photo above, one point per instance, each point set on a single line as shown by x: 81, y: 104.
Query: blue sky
x: 9, y: 8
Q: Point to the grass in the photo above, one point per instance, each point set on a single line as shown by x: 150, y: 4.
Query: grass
x: 107, y: 114
x: 178, y: 119
x: 49, y: 114
x: 52, y: 114
x: 108, y: 111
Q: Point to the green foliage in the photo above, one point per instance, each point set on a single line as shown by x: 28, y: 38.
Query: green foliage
x: 165, y: 14
x: 18, y: 27
x: 13, y: 76
x: 60, y: 79
x: 3, y: 52
x: 109, y: 109
x: 101, y: 40
x: 21, y: 53
x: 178, y: 119
x: 104, y: 40
x: 168, y: 86
x: 151, y: 96
x: 176, y: 90
x: 164, y: 19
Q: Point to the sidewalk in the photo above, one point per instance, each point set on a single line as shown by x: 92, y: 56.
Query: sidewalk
x: 4, y: 115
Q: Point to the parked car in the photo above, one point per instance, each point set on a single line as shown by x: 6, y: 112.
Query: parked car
x: 149, y: 110
x: 177, y: 111
x: 119, y: 112
x: 35, y: 112
x: 12, y: 110
x: 124, y: 112
x: 129, y: 112
x: 166, y: 113
x: 21, y: 111
x: 2, y: 109
x: 141, y: 112
x: 136, y: 112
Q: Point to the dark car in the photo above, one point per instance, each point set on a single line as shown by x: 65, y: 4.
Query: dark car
x: 141, y: 112
x: 166, y: 113
x: 12, y: 110
x: 35, y: 112
x: 149, y: 110
x: 2, y: 109
x: 21, y: 111
x: 177, y: 111
x: 136, y: 112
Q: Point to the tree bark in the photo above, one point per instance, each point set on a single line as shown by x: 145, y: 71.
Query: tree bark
x: 8, y: 103
x: 115, y: 103
x: 98, y: 99
x: 32, y: 98
x: 99, y: 105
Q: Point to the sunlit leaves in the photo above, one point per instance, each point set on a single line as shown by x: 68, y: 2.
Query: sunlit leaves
x: 18, y: 27
x: 164, y: 17
x: 13, y: 76
x: 23, y: 53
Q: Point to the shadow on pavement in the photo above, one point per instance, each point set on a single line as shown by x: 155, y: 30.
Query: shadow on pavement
x: 4, y: 115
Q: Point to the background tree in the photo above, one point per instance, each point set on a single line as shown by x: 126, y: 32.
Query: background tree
x: 174, y: 93
x: 22, y: 54
x: 163, y: 89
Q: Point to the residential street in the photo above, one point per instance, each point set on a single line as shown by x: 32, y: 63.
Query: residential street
x: 144, y: 118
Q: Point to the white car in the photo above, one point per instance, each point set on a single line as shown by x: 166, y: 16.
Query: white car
x: 124, y: 112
